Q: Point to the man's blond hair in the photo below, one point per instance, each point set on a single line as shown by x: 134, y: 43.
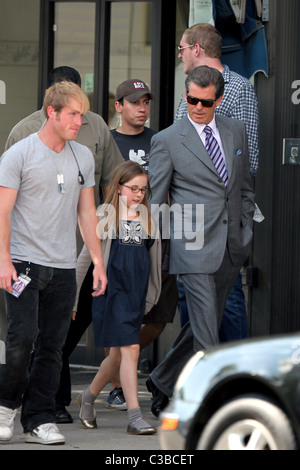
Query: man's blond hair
x: 59, y: 95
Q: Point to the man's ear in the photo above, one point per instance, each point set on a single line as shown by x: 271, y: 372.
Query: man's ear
x: 218, y: 102
x: 50, y: 111
x: 198, y: 50
x: 185, y: 94
x: 118, y: 107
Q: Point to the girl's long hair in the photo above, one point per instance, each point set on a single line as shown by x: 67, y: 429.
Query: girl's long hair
x: 123, y: 173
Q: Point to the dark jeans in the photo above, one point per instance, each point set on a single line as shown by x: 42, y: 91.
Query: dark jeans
x: 182, y: 307
x: 77, y: 328
x: 235, y: 323
x: 40, y: 317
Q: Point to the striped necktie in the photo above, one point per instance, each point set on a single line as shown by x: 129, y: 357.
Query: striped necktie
x: 215, y: 154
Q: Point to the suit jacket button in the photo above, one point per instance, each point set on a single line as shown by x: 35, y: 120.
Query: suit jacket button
x: 224, y: 222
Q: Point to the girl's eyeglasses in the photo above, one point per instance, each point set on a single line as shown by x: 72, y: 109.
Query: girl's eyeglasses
x: 135, y: 189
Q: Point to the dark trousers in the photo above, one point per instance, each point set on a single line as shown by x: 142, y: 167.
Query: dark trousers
x: 206, y: 296
x: 234, y: 323
x: 40, y: 317
x: 77, y: 328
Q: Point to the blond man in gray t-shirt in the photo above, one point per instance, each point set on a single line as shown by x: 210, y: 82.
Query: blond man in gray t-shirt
x: 45, y: 182
x: 94, y: 134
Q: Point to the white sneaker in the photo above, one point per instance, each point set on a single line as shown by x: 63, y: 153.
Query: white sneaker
x: 7, y: 416
x: 47, y: 433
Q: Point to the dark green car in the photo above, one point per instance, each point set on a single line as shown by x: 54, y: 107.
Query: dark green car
x: 243, y: 395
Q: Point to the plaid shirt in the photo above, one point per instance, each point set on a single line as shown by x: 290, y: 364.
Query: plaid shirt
x: 239, y: 102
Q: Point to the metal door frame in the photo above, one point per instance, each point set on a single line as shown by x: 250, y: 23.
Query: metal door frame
x: 162, y: 63
x: 162, y: 85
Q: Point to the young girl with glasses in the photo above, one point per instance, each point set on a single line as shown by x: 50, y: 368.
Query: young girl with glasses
x: 129, y: 246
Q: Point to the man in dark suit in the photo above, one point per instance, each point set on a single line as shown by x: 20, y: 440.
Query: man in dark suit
x: 220, y: 202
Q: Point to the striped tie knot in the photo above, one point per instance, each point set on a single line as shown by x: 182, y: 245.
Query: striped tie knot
x: 215, y: 154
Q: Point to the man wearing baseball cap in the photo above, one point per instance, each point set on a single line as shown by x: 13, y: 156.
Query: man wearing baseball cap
x: 132, y: 90
x: 132, y: 103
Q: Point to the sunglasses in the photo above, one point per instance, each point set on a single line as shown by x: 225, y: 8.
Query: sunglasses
x: 205, y: 103
x: 185, y: 47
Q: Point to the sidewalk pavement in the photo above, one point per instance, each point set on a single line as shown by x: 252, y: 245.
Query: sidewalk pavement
x: 111, y: 433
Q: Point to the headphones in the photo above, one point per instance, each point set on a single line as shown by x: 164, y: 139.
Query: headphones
x: 80, y: 175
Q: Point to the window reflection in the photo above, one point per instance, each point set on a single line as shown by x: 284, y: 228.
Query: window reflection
x: 74, y: 40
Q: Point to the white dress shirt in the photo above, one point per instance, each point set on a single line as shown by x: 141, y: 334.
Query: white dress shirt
x: 215, y: 131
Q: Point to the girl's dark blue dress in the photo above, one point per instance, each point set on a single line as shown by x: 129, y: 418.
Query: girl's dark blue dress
x: 118, y: 314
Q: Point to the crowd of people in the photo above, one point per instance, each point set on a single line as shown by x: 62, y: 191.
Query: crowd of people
x: 64, y: 170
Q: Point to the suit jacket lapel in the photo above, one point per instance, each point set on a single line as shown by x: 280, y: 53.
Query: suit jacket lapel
x: 227, y: 142
x: 193, y: 143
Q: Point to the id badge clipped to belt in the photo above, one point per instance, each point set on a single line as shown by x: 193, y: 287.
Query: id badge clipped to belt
x: 19, y: 286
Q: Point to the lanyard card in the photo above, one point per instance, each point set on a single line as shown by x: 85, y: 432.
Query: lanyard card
x: 20, y: 285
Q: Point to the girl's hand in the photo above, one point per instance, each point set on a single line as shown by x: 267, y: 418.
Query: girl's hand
x: 100, y: 280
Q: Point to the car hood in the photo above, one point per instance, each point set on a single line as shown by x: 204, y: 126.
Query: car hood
x: 273, y: 360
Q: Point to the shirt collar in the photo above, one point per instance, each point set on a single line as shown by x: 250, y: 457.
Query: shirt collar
x: 226, y: 73
x: 200, y: 127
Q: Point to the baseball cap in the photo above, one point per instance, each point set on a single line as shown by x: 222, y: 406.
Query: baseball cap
x: 132, y: 90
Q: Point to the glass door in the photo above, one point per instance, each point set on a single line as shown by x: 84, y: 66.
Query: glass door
x: 109, y: 41
x: 74, y: 45
x: 74, y: 40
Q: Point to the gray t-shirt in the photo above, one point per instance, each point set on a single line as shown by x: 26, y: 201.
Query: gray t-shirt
x: 43, y: 225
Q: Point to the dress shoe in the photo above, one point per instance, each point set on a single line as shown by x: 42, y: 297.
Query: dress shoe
x: 62, y: 415
x: 147, y: 429
x: 87, y: 423
x: 160, y: 400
